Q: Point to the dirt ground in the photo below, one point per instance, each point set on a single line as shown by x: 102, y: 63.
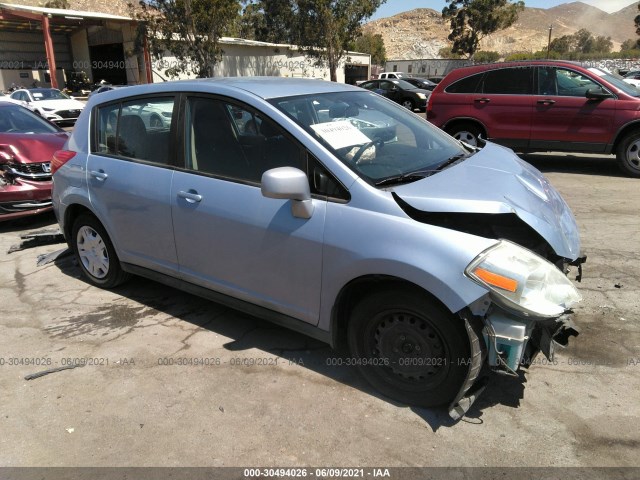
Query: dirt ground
x: 174, y: 380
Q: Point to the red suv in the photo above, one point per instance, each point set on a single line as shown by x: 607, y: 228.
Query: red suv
x: 541, y: 106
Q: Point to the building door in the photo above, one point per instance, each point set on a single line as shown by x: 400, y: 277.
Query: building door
x: 108, y: 63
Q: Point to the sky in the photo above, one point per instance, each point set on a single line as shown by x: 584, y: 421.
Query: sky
x: 391, y: 7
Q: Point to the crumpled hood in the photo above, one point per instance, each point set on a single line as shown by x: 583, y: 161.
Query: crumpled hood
x: 34, y: 147
x: 495, y: 180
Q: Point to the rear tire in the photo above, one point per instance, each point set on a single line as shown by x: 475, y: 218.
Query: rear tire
x: 628, y: 154
x: 95, y: 253
x: 409, y: 347
x: 466, y: 132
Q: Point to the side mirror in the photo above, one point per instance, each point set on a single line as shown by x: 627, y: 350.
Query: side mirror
x: 597, y: 94
x: 291, y: 184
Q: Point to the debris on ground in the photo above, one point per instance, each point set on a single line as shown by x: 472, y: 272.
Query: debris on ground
x: 40, y: 237
x: 46, y: 258
x: 618, y: 285
x: 33, y: 376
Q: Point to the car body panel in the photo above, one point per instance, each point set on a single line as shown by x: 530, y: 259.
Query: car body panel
x: 133, y: 203
x: 258, y: 250
x: 508, y: 185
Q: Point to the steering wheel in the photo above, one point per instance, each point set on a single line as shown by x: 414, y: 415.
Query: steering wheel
x: 377, y: 142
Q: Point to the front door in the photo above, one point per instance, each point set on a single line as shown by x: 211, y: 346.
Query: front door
x: 229, y: 237
x: 563, y: 115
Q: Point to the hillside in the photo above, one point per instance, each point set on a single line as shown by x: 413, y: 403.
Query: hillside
x: 421, y: 33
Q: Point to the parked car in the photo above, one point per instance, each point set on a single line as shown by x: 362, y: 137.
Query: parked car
x: 422, y: 83
x: 27, y: 143
x: 50, y: 103
x: 105, y: 88
x: 541, y: 106
x: 400, y: 92
x: 394, y: 75
x: 294, y: 200
x: 633, y: 78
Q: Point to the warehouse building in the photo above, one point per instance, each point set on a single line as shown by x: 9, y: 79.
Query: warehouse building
x: 95, y: 46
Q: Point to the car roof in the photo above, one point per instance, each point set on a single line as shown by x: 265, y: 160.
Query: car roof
x: 264, y: 87
x: 471, y: 69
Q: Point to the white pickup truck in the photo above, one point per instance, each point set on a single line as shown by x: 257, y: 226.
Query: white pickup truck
x: 395, y: 75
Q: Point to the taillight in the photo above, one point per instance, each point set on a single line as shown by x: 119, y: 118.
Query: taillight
x: 60, y: 158
x: 429, y: 106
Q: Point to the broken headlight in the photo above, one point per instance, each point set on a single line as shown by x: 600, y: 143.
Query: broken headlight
x: 523, y: 281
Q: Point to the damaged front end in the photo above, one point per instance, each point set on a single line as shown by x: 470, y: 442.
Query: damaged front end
x: 25, y: 188
x: 527, y: 311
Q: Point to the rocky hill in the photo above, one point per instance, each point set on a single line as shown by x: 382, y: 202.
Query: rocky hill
x: 421, y: 33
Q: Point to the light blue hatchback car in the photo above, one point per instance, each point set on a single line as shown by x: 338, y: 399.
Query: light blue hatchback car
x: 330, y: 210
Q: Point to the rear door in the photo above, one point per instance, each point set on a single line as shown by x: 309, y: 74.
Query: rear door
x: 505, y: 105
x: 229, y: 237
x: 129, y: 174
x: 564, y: 118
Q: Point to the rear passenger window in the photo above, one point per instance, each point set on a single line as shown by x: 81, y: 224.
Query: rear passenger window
x: 465, y: 85
x: 508, y: 81
x: 139, y: 129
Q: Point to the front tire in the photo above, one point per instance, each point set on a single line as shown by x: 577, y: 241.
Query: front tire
x: 409, y: 104
x: 409, y: 347
x: 628, y: 154
x: 95, y: 253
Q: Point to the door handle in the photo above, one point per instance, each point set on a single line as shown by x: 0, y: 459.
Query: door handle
x: 482, y: 100
x: 191, y: 197
x: 546, y: 101
x: 99, y: 175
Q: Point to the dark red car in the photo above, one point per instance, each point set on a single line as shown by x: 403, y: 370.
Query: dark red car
x: 541, y: 106
x: 27, y: 143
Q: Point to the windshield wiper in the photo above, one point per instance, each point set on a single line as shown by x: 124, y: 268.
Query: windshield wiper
x: 451, y: 160
x: 405, y: 177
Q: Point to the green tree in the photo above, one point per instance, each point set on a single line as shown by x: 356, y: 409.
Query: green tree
x: 629, y: 44
x: 472, y: 20
x: 581, y: 42
x: 486, y: 56
x: 188, y: 29
x: 372, y: 44
x: 602, y: 44
x: 270, y: 21
x: 445, y: 52
x: 327, y: 27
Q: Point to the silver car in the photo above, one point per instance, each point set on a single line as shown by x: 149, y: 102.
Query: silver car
x: 332, y: 211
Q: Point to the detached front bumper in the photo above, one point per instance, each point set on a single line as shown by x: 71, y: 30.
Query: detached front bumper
x: 504, y: 341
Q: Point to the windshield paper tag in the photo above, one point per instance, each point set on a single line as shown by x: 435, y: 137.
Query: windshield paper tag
x: 340, y: 134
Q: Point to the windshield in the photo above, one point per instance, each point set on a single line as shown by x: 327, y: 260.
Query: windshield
x: 374, y: 137
x: 617, y: 82
x: 48, y: 94
x: 404, y: 84
x: 16, y: 119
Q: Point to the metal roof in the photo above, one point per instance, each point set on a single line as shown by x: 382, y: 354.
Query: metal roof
x: 61, y: 12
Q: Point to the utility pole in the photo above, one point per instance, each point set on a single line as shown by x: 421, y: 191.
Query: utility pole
x: 549, y: 42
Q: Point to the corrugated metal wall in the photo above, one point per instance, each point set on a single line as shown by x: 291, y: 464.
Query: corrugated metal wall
x: 25, y: 50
